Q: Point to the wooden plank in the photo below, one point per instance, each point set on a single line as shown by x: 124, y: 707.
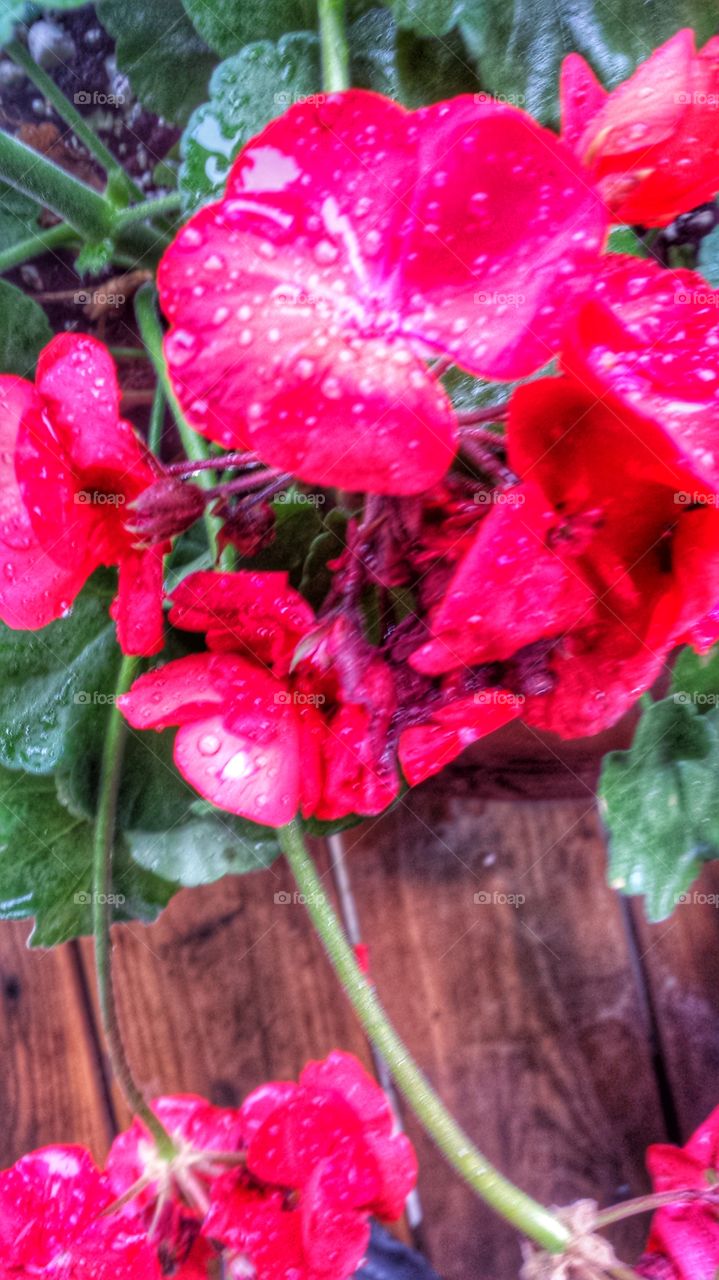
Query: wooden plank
x: 228, y: 989
x: 527, y: 1018
x: 51, y: 1088
x: 680, y: 957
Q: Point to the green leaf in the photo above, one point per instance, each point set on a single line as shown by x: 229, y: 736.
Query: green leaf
x: 24, y: 331
x: 228, y: 25
x: 625, y: 240
x: 264, y: 79
x: 46, y: 859
x: 167, y: 62
x: 517, y: 46
x: 695, y: 678
x: 709, y: 257
x: 327, y: 545
x: 204, y: 849
x: 661, y: 804
x: 246, y: 92
x: 470, y: 394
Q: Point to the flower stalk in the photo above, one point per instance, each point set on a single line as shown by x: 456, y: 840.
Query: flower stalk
x: 335, y: 48
x: 110, y: 778
x: 528, y: 1215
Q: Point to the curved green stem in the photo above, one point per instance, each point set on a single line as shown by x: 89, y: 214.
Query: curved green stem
x: 91, y: 214
x: 335, y: 49
x: 195, y: 447
x: 34, y: 245
x: 532, y: 1219
x: 71, y: 116
x: 157, y: 207
x: 656, y: 1200
x: 110, y: 776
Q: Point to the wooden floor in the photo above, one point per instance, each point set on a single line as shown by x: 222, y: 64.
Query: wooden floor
x: 564, y: 1032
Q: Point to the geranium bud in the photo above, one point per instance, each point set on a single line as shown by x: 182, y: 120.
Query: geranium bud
x: 248, y: 527
x: 168, y: 507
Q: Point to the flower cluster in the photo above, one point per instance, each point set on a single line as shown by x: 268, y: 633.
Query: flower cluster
x: 319, y: 315
x: 282, y: 1188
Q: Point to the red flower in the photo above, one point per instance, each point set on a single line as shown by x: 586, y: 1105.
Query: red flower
x: 591, y: 575
x: 685, y: 1236
x: 355, y: 241
x: 255, y: 737
x: 321, y: 1157
x: 54, y: 1222
x: 457, y: 722
x: 647, y: 339
x: 652, y: 145
x: 69, y: 466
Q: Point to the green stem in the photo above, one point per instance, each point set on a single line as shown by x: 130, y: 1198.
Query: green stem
x: 91, y: 215
x: 128, y: 353
x: 36, y: 244
x: 155, y: 208
x: 647, y: 1204
x: 195, y: 447
x: 71, y: 116
x: 157, y: 420
x: 111, y: 773
x: 532, y: 1219
x: 335, y: 49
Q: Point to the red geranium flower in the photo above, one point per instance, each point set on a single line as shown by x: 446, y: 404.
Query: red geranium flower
x: 267, y: 730
x: 457, y: 722
x: 355, y: 241
x: 54, y: 1222
x: 685, y: 1236
x: 69, y: 467
x: 596, y: 568
x: 322, y: 1155
x: 652, y: 145
x: 647, y: 339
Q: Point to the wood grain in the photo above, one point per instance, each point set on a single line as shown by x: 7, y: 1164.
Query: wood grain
x: 51, y: 1089
x: 527, y: 1018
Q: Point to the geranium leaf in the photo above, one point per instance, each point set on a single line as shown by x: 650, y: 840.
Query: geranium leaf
x: 167, y: 62
x: 228, y: 25
x: 661, y: 804
x: 24, y: 331
x: 695, y: 678
x: 517, y: 45
x: 265, y: 78
x: 46, y: 865
x: 19, y: 216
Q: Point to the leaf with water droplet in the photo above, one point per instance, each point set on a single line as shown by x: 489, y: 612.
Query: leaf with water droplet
x: 661, y: 804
